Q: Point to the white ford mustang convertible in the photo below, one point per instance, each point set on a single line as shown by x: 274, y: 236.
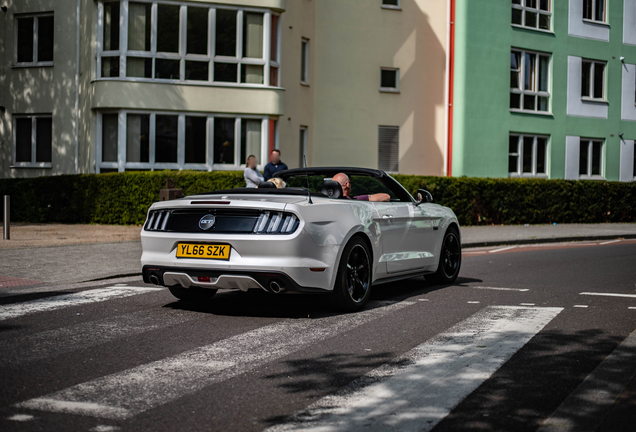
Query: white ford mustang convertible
x: 307, y: 237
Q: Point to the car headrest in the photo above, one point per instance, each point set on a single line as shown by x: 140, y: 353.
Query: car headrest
x: 266, y: 185
x: 332, y: 189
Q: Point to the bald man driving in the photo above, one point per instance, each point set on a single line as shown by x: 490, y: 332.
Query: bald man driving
x: 344, y: 181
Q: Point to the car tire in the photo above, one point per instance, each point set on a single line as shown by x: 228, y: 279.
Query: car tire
x: 353, y: 281
x: 450, y: 259
x: 193, y: 294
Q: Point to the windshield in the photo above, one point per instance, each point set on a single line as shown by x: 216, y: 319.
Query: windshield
x: 360, y: 185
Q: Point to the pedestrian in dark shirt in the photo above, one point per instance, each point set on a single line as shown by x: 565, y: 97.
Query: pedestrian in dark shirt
x: 274, y: 165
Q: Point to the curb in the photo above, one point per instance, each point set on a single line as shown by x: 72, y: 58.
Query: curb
x: 546, y: 240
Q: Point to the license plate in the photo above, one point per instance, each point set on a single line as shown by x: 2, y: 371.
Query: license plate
x: 204, y: 251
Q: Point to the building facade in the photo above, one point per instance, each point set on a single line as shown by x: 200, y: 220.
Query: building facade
x: 545, y: 88
x: 97, y: 86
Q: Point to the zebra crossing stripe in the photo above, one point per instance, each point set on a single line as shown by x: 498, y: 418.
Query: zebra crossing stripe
x: 16, y: 310
x: 133, y: 391
x: 439, y: 374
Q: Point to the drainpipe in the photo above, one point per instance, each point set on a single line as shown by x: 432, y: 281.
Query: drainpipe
x: 451, y: 76
x: 77, y: 58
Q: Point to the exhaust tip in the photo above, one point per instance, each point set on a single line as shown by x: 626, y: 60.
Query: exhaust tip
x: 276, y: 287
x: 154, y: 279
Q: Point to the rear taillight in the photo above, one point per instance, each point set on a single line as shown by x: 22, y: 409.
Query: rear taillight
x: 276, y: 223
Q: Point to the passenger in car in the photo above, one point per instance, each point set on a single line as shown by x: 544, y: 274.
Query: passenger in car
x: 344, y: 181
x: 253, y: 177
x: 280, y: 183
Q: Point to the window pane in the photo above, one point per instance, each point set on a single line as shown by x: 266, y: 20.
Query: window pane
x: 25, y: 40
x: 198, y: 71
x: 544, y: 5
x: 110, y: 67
x: 273, y: 76
x: 634, y: 164
x: 512, y: 164
x: 197, y: 30
x: 599, y: 80
x: 527, y: 154
x: 587, y: 9
x: 544, y: 70
x: 304, y: 60
x: 167, y: 69
x: 599, y: 13
x: 225, y: 72
x: 139, y: 67
x: 513, y: 144
x: 388, y: 79
x: 23, y: 142
x: 531, y: 19
x: 542, y: 144
x: 195, y: 139
x: 224, y: 140
x: 516, y: 16
x: 302, y: 147
x: 583, y: 149
x: 166, y: 138
x: 110, y: 127
x: 586, y: 71
x: 139, y: 26
x: 529, y: 70
x: 45, y: 39
x: 515, y: 100
x: 389, y: 148
x: 252, y: 35
x: 225, y: 33
x: 514, y: 79
x: 44, y: 137
x: 544, y: 22
x: 252, y: 74
x: 531, y: 3
x: 168, y: 28
x: 250, y: 138
x: 543, y: 103
x: 391, y: 2
x: 529, y: 102
x: 111, y: 26
x: 516, y: 2
x: 138, y: 137
x: 597, y: 159
x: 274, y: 39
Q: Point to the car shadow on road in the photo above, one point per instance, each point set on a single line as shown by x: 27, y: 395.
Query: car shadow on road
x: 261, y: 304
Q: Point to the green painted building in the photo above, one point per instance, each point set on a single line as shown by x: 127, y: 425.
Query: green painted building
x: 544, y: 88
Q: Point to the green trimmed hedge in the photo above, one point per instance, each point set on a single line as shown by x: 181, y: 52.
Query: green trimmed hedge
x: 124, y: 198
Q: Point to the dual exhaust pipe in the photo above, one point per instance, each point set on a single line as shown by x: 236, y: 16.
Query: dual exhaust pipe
x: 275, y: 286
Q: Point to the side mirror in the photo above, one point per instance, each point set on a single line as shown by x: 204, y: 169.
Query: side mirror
x: 424, y: 196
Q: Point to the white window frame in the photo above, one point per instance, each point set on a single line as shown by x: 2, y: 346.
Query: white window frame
x: 590, y: 143
x: 182, y: 55
x: 33, y: 163
x: 522, y: 92
x: 394, y: 7
x: 519, y: 154
x: 35, y: 62
x: 591, y: 98
x: 523, y: 8
x: 121, y: 164
x: 594, y: 18
x: 395, y: 89
x: 304, y: 61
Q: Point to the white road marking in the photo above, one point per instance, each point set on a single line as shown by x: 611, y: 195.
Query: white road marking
x: 611, y: 241
x: 502, y: 289
x: 21, y: 417
x: 473, y: 302
x: 502, y: 249
x: 51, y: 343
x: 526, y: 304
x: 104, y: 428
x: 631, y: 307
x: 133, y: 391
x: 66, y: 300
x: 423, y: 299
x: 441, y: 373
x: 580, y: 306
x: 608, y: 294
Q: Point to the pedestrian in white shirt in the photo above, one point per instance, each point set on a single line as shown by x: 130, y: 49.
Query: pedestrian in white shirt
x: 253, y: 177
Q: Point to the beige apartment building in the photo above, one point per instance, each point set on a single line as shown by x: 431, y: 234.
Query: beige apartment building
x: 94, y: 86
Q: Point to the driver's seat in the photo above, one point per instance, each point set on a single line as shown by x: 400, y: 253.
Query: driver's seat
x: 332, y: 189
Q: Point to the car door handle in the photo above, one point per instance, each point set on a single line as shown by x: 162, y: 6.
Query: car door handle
x: 387, y: 216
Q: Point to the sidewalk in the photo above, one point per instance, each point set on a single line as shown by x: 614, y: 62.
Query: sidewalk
x: 59, y: 254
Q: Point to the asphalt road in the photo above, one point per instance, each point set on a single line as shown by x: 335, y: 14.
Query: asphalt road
x: 513, y: 345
